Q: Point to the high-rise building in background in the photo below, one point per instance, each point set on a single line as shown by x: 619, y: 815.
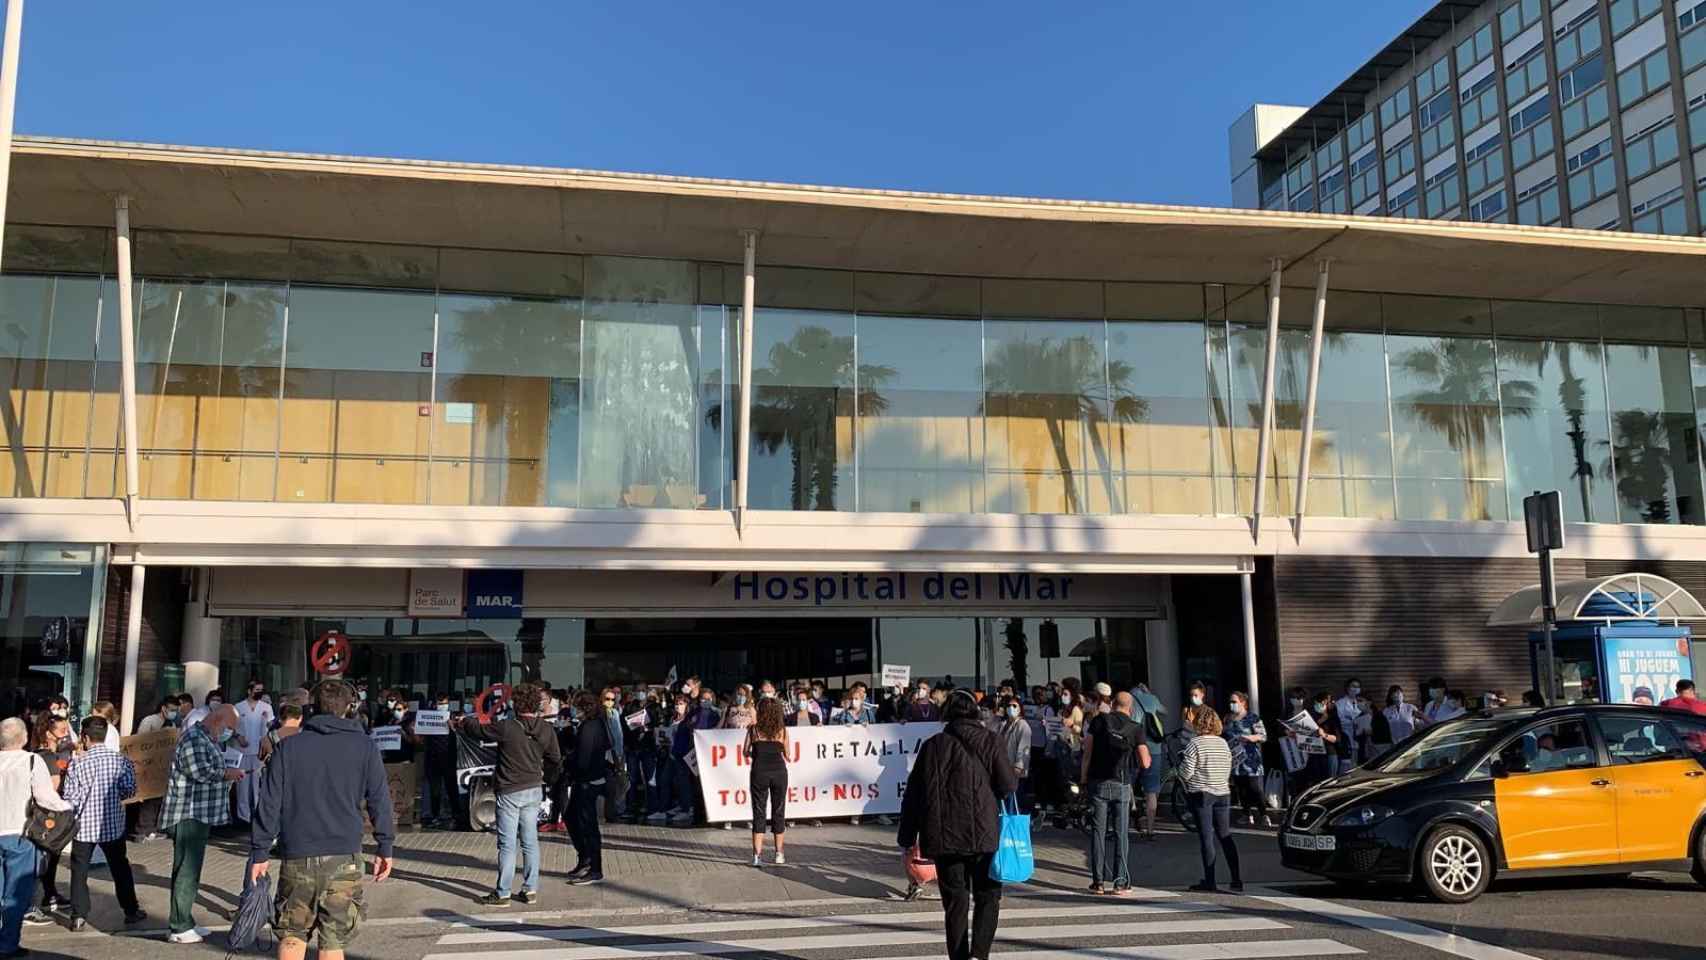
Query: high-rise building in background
x: 1582, y: 113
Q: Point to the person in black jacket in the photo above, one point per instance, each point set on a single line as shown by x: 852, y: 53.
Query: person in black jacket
x: 951, y: 811
x: 528, y: 759
x: 589, y: 765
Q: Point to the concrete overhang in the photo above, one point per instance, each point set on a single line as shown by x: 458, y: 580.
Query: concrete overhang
x: 72, y: 182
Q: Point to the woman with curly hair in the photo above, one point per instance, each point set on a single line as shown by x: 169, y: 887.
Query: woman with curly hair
x: 766, y: 752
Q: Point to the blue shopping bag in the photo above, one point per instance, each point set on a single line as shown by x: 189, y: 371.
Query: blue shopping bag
x: 1013, y: 861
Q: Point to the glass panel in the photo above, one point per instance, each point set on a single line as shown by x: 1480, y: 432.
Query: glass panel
x: 31, y: 248
x: 1554, y: 413
x: 45, y: 598
x: 1654, y: 446
x: 921, y: 444
x: 104, y: 470
x: 940, y: 650
x: 47, y: 346
x: 501, y: 360
x: 1045, y: 385
x: 803, y: 391
x: 1350, y: 467
x: 1446, y: 430
x: 358, y: 377
x: 640, y: 390
x: 720, y: 293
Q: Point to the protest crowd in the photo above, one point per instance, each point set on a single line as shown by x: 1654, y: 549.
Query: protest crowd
x: 308, y: 778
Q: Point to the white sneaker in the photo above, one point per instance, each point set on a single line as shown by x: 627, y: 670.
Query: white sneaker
x: 780, y: 861
x: 188, y: 936
x: 757, y: 860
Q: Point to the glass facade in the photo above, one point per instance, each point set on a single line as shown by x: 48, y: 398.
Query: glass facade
x: 51, y: 595
x: 478, y: 378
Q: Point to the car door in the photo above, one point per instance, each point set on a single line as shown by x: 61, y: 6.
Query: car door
x: 1660, y: 785
x: 1554, y: 800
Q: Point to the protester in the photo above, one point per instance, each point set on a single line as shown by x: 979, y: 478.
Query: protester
x: 1206, y: 769
x: 313, y: 793
x: 528, y: 758
x: 198, y: 798
x: 1196, y: 695
x: 1687, y: 698
x: 590, y: 769
x: 675, y: 741
x: 106, y: 710
x: 1348, y: 712
x: 289, y: 725
x: 741, y: 713
x: 215, y: 699
x: 143, y: 816
x: 23, y: 778
x: 1245, y: 734
x: 52, y: 744
x: 640, y: 746
x: 950, y: 810
x: 1015, y: 735
x: 97, y: 784
x: 1441, y: 704
x: 767, y: 750
x: 922, y: 709
x: 1115, y: 748
x: 1402, y: 718
x: 803, y: 712
x: 858, y: 709
x: 186, y: 707
x: 616, y: 776
x: 165, y: 715
x: 444, y: 800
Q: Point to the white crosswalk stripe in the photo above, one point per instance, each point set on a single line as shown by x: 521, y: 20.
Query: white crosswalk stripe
x: 1039, y: 933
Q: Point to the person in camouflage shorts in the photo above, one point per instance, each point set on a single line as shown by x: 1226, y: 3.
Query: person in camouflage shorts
x: 320, y: 894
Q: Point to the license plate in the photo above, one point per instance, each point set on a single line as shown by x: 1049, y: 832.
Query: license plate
x: 1305, y: 841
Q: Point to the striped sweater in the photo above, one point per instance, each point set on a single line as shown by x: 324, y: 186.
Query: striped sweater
x: 1206, y: 766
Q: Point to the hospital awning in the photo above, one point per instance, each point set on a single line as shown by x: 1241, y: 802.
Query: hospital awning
x: 1624, y: 597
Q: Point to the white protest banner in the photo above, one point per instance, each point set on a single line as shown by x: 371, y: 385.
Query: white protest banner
x: 838, y: 771
x: 387, y: 738
x: 896, y: 674
x: 432, y: 723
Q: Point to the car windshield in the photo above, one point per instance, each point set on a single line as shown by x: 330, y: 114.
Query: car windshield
x: 1438, y: 747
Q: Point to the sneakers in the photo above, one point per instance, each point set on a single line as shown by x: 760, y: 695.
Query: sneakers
x: 132, y: 919
x: 579, y: 869
x: 528, y: 897
x: 757, y: 860
x: 587, y: 879
x: 555, y: 827
x: 1203, y: 886
x: 76, y: 924
x: 192, y: 935
x: 36, y: 918
x: 493, y: 899
x: 779, y: 860
x: 1096, y: 889
x: 1124, y: 891
x: 1237, y: 886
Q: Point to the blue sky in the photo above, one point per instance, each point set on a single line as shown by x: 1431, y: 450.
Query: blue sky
x: 1109, y: 100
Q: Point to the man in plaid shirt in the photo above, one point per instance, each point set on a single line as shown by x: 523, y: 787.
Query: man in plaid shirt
x: 97, y: 783
x: 198, y: 798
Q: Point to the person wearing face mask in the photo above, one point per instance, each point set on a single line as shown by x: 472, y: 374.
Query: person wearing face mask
x: 444, y: 802
x: 1323, y: 766
x: 1435, y: 709
x: 820, y: 697
x: 671, y: 802
x: 198, y: 798
x: 1344, y: 755
x: 1399, y: 718
x: 1015, y: 734
x: 922, y: 709
x: 802, y: 712
x: 616, y: 780
x: 741, y: 712
x: 766, y: 690
x: 254, y: 719
x: 1196, y: 695
x: 52, y: 743
x: 858, y: 710
x: 215, y: 699
x: 1245, y: 734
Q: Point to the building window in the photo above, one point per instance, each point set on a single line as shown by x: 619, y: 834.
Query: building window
x: 1592, y: 174
x: 1626, y: 13
x: 1693, y: 44
x: 1435, y: 79
x: 1360, y: 133
x: 1305, y: 201
x: 1518, y: 17
x: 1489, y: 207
x: 1438, y: 137
x: 1581, y: 78
x: 1395, y: 108
x: 1532, y: 114
x: 1332, y: 182
x: 1443, y: 193
x: 1400, y: 159
x: 1532, y: 144
x: 1697, y: 124
x: 1475, y: 49
x: 1584, y: 39
x: 1689, y: 14
x: 1650, y: 151
x: 1480, y: 102
x: 1365, y: 176
x: 1538, y: 205
x: 1526, y: 76
x: 1643, y: 78
x: 1298, y: 176
x: 1405, y: 204
x: 1586, y: 113
x: 1664, y: 214
x: 1434, y: 110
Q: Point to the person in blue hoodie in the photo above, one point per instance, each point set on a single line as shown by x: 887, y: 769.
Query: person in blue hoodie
x: 310, y: 802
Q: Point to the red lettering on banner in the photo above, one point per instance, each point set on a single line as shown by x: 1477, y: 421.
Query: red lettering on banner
x: 718, y: 754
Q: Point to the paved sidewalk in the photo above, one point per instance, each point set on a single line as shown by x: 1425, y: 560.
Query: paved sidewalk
x: 439, y: 873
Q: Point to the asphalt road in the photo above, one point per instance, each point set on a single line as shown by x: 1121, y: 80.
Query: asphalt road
x: 1659, y: 917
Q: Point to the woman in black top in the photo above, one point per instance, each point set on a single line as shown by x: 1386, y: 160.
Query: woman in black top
x: 589, y: 765
x: 51, y: 742
x: 767, y: 751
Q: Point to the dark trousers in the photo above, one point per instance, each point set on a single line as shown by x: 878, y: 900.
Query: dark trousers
x: 1214, y: 822
x: 142, y: 819
x: 583, y: 825
x: 769, y: 788
x: 443, y: 802
x: 560, y: 800
x: 1250, y: 793
x: 966, y: 887
x: 642, y: 767
x: 118, y: 864
x: 48, y: 876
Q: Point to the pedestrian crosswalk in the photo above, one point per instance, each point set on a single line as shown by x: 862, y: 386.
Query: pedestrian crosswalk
x: 1155, y: 925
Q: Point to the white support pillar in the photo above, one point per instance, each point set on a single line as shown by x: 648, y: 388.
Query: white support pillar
x: 1317, y: 332
x: 132, y: 646
x: 8, y: 99
x: 1265, y: 442
x: 127, y: 359
x: 744, y: 445
x: 1250, y: 668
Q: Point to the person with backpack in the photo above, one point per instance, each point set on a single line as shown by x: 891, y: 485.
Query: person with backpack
x: 528, y: 759
x: 1151, y: 714
x: 1115, y: 748
x: 951, y: 811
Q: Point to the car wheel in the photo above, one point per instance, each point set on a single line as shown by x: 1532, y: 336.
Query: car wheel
x: 1699, y: 870
x: 1456, y: 865
x: 482, y: 806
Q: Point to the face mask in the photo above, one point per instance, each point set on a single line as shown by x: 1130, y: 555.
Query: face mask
x: 805, y: 702
x: 363, y: 696
x: 63, y: 743
x: 680, y: 708
x: 1355, y: 692
x: 1196, y: 699
x: 444, y: 704
x: 708, y: 704
x: 1066, y: 699
x: 921, y: 695
x: 1012, y: 712
x: 256, y: 694
x: 1398, y: 698
x: 399, y: 713
x: 1434, y: 693
x: 767, y: 695
x: 1321, y: 708
x: 1296, y: 703
x: 1237, y: 709
x: 61, y: 713
x: 225, y: 735
x: 855, y: 705
x: 740, y: 699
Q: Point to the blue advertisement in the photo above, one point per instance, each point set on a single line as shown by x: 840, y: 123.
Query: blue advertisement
x: 1645, y: 668
x: 494, y: 595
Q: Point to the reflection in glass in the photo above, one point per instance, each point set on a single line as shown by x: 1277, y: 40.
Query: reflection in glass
x: 1350, y: 467
x: 1553, y: 395
x: 45, y: 602
x: 357, y: 378
x: 639, y: 408
x: 1446, y: 431
x: 1653, y: 453
x: 47, y: 345
x: 920, y: 433
x: 803, y: 408
x: 501, y: 362
x: 1162, y: 449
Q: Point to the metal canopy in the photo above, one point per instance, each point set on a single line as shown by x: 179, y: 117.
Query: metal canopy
x: 1621, y: 598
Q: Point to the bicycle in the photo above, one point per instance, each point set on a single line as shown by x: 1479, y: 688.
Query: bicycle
x: 1173, y: 785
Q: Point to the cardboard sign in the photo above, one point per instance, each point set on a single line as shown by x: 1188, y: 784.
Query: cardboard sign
x: 387, y: 738
x: 151, y: 754
x: 432, y: 723
x: 833, y: 771
x: 896, y: 674
x: 400, y: 780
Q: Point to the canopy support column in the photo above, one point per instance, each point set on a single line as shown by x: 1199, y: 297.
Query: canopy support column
x: 1265, y: 444
x: 1316, y: 332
